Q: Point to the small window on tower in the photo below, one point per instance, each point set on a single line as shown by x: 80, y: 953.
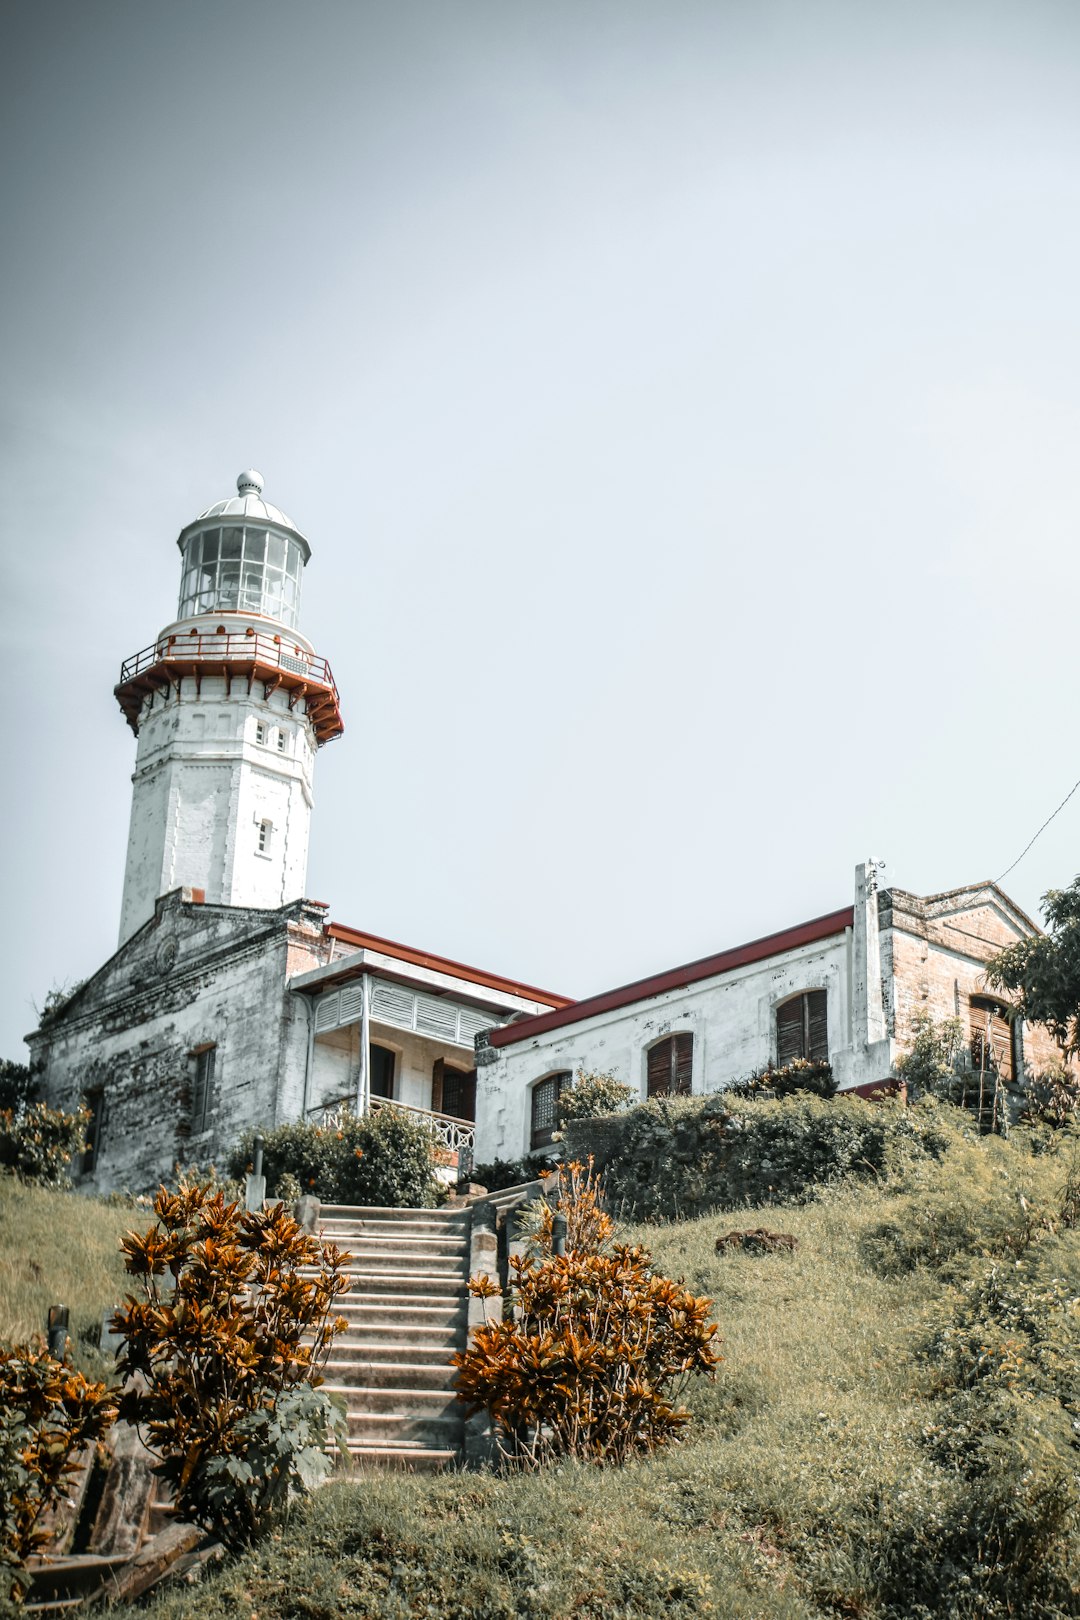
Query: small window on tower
x: 282, y: 739
x: 260, y: 731
x: 266, y: 829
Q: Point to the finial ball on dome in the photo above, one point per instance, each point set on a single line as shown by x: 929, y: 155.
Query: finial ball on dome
x: 250, y: 482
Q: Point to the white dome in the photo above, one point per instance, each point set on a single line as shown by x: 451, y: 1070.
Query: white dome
x: 247, y: 505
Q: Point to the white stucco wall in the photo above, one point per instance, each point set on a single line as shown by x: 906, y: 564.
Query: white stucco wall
x: 733, y: 1020
x: 202, y: 784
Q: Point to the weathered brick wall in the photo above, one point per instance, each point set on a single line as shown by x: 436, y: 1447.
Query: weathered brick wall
x: 194, y: 975
x: 934, y: 956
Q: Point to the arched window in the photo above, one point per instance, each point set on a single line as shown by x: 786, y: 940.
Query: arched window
x: 993, y: 1044
x: 802, y: 1028
x: 670, y: 1066
x: 545, y: 1113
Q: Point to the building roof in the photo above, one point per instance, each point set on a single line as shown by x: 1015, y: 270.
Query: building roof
x: 427, y: 959
x: 706, y: 967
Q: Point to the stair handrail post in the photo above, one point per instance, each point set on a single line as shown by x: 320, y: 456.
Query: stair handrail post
x: 484, y: 1310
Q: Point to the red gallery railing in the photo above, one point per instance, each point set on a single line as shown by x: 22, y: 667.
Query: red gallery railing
x: 250, y: 655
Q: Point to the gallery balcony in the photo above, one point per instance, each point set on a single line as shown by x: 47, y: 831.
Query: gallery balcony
x: 270, y: 661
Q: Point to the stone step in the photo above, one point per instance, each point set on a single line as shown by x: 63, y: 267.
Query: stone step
x: 391, y: 1237
x: 377, y: 1212
x: 389, y: 1311
x: 401, y: 1428
x: 381, y: 1399
x: 374, y: 1326
x: 366, y: 1374
x: 421, y: 1346
x: 369, y: 1256
x: 433, y: 1285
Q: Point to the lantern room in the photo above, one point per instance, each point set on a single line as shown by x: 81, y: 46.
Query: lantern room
x: 243, y: 555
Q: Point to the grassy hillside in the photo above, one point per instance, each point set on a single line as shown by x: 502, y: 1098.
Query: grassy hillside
x: 58, y: 1248
x: 865, y: 1449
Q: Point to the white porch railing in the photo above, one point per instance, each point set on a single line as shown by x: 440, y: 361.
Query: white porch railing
x: 457, y: 1136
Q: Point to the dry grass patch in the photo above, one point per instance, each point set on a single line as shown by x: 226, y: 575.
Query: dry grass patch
x: 58, y: 1248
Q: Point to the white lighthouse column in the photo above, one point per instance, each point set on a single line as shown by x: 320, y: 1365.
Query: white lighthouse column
x: 229, y: 706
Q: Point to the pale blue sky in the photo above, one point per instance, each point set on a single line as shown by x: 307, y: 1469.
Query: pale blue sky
x: 682, y: 402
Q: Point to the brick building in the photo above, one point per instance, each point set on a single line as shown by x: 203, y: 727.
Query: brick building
x: 844, y: 987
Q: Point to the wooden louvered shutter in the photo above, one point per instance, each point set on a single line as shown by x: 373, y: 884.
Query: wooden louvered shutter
x: 817, y: 1026
x: 683, y: 1067
x: 992, y: 1039
x: 789, y: 1031
x: 438, y: 1075
x: 659, y: 1069
x: 459, y: 1093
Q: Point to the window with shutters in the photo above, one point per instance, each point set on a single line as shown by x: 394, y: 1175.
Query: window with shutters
x: 545, y: 1116
x: 453, y: 1091
x: 202, y: 1088
x: 670, y: 1066
x: 993, y: 1044
x: 802, y: 1028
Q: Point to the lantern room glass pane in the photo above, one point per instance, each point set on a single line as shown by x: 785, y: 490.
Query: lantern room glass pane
x: 249, y: 569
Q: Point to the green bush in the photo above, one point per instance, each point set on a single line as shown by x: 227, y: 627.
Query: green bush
x: 592, y: 1095
x: 801, y: 1074
x: 680, y: 1156
x: 39, y: 1144
x: 501, y: 1173
x: 386, y: 1158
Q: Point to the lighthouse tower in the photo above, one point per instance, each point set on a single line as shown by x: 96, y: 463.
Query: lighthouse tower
x: 229, y: 705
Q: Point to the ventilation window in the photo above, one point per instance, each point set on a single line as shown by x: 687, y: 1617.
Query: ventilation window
x: 202, y: 1088
x: 545, y: 1098
x: 266, y: 830
x: 260, y: 731
x: 282, y: 740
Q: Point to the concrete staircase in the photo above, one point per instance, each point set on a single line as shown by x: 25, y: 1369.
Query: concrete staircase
x: 407, y: 1311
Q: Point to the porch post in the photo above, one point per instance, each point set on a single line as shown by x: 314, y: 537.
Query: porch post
x: 363, y: 1079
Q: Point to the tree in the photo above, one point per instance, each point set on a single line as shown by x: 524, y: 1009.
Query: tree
x: 593, y: 1094
x: 16, y: 1085
x: 1042, y: 973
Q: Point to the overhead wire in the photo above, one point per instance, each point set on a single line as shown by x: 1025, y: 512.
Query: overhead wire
x: 1040, y: 832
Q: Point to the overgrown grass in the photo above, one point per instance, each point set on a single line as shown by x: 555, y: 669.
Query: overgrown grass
x: 822, y: 1476
x: 57, y: 1248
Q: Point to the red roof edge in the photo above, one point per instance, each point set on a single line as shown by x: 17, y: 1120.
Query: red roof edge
x: 789, y: 939
x: 443, y: 964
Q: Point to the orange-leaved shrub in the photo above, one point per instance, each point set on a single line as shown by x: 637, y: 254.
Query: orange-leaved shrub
x: 593, y: 1359
x: 228, y: 1338
x: 49, y: 1414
